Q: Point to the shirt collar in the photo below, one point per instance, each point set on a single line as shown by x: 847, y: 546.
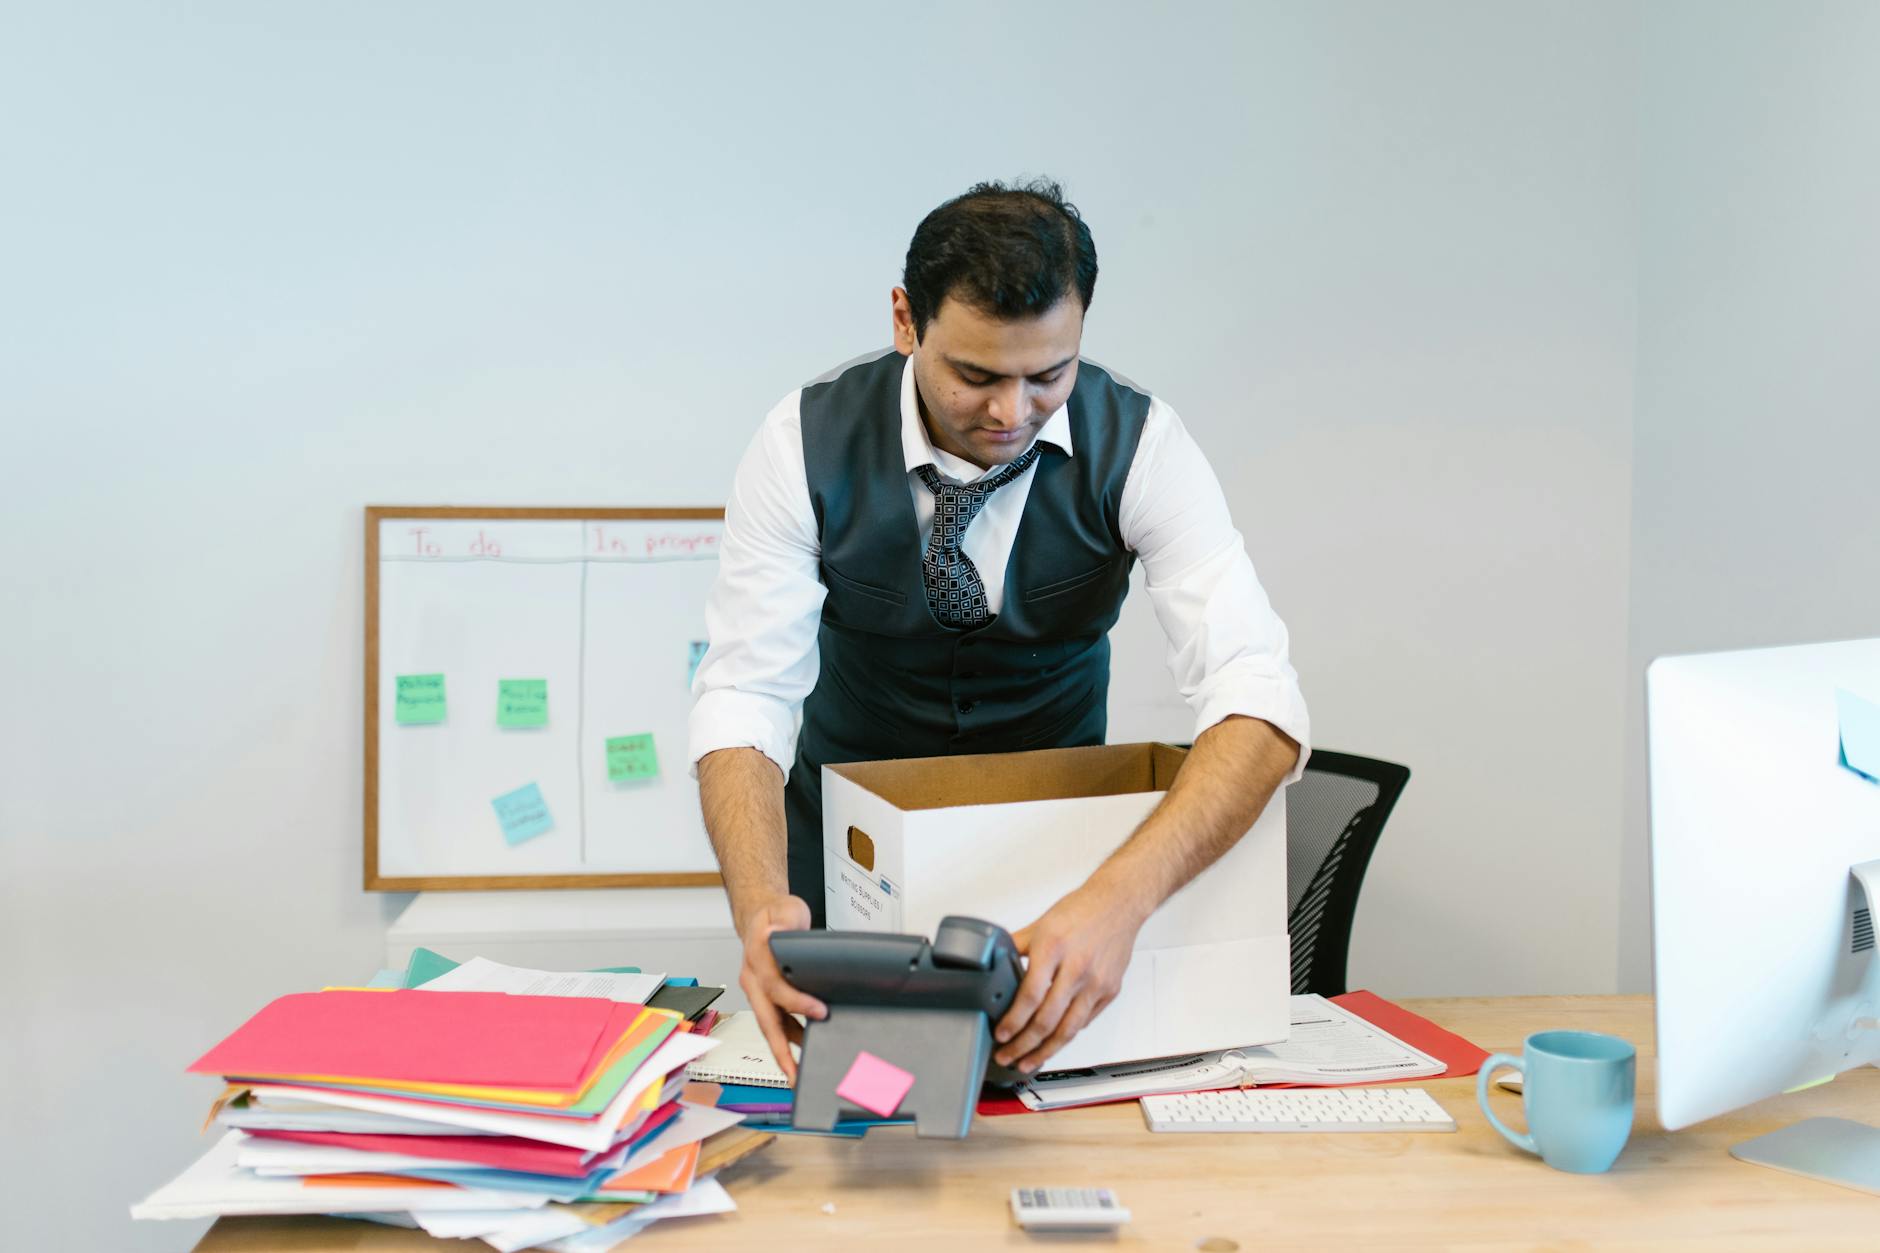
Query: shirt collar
x: 917, y: 450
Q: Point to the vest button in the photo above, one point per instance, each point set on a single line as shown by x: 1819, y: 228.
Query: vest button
x: 965, y: 706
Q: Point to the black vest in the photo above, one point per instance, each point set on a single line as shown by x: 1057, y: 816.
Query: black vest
x: 894, y: 682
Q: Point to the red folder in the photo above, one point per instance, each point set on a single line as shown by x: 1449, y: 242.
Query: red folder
x: 502, y: 1152
x: 1458, y: 1056
x: 476, y: 1038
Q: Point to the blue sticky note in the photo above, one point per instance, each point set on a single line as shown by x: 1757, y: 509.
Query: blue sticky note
x: 523, y: 813
x: 1860, y: 732
x: 695, y: 653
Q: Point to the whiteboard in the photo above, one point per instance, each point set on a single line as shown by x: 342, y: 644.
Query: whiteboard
x: 608, y: 608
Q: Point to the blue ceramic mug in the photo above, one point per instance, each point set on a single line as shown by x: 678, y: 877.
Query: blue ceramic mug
x: 1576, y: 1088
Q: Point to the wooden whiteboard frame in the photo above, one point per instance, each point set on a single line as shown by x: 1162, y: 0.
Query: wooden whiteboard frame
x: 376, y: 882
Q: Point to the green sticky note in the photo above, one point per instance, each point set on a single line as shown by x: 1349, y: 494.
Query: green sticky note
x: 631, y: 757
x: 522, y: 702
x: 420, y: 698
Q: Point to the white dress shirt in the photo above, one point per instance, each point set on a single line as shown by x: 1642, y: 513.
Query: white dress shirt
x: 1227, y: 648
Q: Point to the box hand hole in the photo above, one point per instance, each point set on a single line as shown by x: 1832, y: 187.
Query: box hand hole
x: 861, y: 849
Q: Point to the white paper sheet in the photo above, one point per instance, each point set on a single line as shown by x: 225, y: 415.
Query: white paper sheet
x: 506, y: 1230
x: 705, y: 1196
x: 581, y: 1133
x: 215, y: 1185
x: 464, y: 1224
x: 693, y: 1123
x: 531, y: 1230
x: 307, y: 1116
x: 289, y: 1157
x: 480, y: 974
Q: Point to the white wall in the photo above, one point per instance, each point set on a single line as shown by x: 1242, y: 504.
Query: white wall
x: 1758, y: 435
x: 263, y: 265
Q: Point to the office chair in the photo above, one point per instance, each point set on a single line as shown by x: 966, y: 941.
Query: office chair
x: 1334, y: 815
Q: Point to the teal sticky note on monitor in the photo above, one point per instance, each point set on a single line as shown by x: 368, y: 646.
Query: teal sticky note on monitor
x: 420, y: 699
x: 523, y: 814
x: 694, y: 653
x: 632, y: 757
x: 1860, y: 731
x: 522, y: 702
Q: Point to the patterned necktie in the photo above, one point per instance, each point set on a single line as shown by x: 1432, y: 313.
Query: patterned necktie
x: 955, y: 592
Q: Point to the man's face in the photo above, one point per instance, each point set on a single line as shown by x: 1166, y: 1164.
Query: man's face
x: 985, y: 385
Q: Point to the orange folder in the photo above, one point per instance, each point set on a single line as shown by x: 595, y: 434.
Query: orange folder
x: 368, y: 1180
x: 669, y: 1172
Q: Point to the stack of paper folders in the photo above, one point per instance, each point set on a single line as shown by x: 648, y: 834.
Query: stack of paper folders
x: 535, y: 1119
x: 1328, y: 1046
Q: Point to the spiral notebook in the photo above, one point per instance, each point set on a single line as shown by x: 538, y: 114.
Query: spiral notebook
x: 742, y: 1056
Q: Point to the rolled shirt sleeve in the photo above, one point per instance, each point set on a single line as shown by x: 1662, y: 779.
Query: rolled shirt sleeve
x: 1227, y: 650
x: 766, y: 604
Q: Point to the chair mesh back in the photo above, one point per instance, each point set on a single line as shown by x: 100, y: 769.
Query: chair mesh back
x: 1320, y: 815
x: 1319, y: 809
x: 1334, y: 815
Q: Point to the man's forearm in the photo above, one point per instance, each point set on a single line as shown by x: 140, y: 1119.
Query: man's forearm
x: 741, y: 792
x: 1231, y: 773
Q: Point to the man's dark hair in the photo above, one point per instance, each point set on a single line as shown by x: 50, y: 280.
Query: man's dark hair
x: 1012, y: 252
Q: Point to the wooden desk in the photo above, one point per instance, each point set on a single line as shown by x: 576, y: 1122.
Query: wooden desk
x: 894, y: 1193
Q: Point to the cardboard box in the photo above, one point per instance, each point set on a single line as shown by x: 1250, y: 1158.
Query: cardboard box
x: 1003, y: 836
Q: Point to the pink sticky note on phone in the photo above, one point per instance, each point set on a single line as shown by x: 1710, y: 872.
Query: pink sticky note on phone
x: 875, y: 1085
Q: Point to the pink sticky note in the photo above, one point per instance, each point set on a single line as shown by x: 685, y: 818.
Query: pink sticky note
x: 875, y: 1085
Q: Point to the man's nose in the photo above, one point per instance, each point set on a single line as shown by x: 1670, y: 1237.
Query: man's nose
x: 1011, y: 405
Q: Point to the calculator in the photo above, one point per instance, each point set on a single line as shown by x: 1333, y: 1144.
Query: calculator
x: 1067, y: 1209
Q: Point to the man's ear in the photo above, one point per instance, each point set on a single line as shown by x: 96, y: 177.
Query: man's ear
x: 905, y: 340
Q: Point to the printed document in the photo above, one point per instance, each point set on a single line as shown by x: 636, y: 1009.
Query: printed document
x: 1329, y: 1046
x: 480, y: 974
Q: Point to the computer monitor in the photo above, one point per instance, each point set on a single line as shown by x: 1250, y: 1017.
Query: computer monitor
x: 1763, y: 943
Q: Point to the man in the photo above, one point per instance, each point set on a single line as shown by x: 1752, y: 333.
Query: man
x: 923, y: 554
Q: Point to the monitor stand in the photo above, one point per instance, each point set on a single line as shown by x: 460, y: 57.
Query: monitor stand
x: 1833, y: 1150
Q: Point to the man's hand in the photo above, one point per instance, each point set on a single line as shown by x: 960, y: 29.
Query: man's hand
x: 1081, y: 947
x: 772, y: 999
x: 1077, y: 954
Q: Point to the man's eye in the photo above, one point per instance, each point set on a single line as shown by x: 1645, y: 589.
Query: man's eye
x: 971, y: 381
x: 1047, y: 379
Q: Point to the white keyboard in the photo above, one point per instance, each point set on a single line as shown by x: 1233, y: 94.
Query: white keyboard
x: 1297, y: 1109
